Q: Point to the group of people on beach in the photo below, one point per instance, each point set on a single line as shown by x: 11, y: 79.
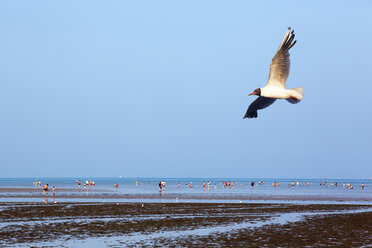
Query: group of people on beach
x: 208, y: 185
x: 276, y: 184
x: 46, y: 189
x: 148, y: 182
x: 225, y: 184
x: 36, y: 183
x: 205, y: 185
x: 322, y: 183
x: 88, y: 183
x: 231, y: 184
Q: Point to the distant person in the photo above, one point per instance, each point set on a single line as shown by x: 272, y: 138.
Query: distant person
x: 116, y: 185
x: 349, y: 186
x: 160, y: 186
x: 45, y: 191
x: 362, y: 185
x: 163, y: 185
x: 252, y: 185
x: 53, y: 189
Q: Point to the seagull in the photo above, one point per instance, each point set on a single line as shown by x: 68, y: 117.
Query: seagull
x: 275, y: 87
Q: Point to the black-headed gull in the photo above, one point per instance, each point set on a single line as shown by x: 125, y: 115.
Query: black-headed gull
x: 275, y: 87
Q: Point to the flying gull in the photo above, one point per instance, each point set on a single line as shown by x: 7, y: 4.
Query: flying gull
x: 275, y: 87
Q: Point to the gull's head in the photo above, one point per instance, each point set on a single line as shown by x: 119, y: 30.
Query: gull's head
x: 256, y: 92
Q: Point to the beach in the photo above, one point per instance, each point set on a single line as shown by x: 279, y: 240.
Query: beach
x: 184, y: 225
x: 139, y: 213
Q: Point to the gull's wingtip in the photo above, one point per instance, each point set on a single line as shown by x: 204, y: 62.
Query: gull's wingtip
x: 250, y: 115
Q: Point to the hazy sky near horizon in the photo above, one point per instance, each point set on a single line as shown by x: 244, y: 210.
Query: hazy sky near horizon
x: 159, y: 89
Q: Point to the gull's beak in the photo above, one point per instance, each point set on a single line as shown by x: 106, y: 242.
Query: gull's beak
x: 251, y: 94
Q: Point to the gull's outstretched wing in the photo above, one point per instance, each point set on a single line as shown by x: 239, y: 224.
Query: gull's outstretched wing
x: 279, y: 67
x: 260, y: 103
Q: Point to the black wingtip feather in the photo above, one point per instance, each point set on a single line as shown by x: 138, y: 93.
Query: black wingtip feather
x: 249, y: 115
x: 288, y: 42
x: 292, y: 44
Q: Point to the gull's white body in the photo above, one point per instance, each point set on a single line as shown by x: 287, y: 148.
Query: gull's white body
x: 280, y: 93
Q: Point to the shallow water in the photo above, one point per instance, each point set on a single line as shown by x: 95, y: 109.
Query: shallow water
x: 146, y: 200
x: 241, y: 186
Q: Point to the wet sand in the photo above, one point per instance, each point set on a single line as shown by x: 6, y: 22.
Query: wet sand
x: 39, y: 189
x: 184, y: 225
x: 92, y: 193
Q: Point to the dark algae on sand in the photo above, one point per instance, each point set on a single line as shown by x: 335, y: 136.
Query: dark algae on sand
x: 185, y: 225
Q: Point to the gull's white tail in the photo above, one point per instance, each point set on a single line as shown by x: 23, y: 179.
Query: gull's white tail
x: 299, y: 90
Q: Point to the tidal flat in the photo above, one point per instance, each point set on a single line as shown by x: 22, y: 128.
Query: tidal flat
x: 184, y: 225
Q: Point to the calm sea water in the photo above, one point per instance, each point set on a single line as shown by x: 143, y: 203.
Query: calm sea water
x: 242, y: 186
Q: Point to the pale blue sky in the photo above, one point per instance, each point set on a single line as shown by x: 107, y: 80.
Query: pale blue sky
x: 159, y: 89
